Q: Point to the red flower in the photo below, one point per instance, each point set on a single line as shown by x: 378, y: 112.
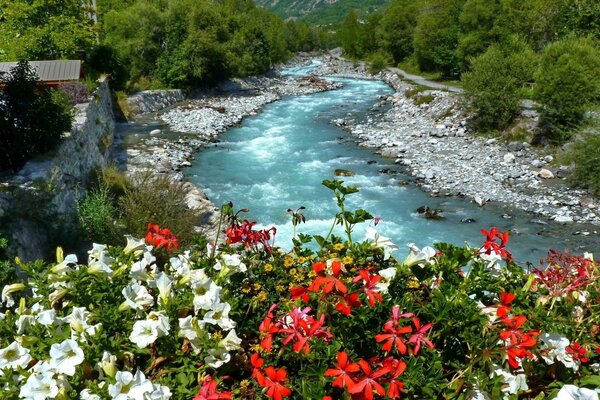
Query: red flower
x: 369, y: 382
x: 578, y: 352
x: 209, y: 391
x: 514, y: 323
x: 268, y: 329
x: 158, y: 237
x: 419, y: 336
x: 274, y: 383
x: 347, y: 303
x: 370, y: 286
x: 490, y: 246
x: 503, y: 307
x: 244, y: 233
x: 519, y: 346
x: 299, y: 292
x: 397, y: 368
x: 343, y: 371
x: 394, y: 339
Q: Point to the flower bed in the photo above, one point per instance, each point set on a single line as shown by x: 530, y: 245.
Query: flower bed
x: 346, y: 321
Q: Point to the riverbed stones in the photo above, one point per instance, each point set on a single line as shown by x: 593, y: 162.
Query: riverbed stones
x: 546, y: 174
x: 509, y: 158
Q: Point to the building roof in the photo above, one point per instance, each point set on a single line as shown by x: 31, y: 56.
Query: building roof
x: 51, y: 71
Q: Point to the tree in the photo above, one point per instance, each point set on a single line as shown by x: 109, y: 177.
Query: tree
x: 44, y: 30
x: 350, y: 35
x: 478, y: 29
x: 494, y: 84
x: 32, y: 119
x: 436, y: 37
x: 566, y: 83
x: 397, y: 29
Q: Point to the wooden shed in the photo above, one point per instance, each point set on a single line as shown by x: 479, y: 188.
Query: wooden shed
x: 50, y: 72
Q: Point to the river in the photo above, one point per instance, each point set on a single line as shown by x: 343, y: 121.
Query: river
x: 277, y: 159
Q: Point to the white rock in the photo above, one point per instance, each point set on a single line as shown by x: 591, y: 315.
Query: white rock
x: 563, y: 219
x: 155, y: 132
x: 480, y: 201
x: 509, y: 158
x: 546, y: 174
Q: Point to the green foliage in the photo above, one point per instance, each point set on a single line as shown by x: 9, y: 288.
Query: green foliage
x: 97, y: 216
x: 32, y: 118
x: 397, y: 28
x: 378, y: 62
x: 493, y: 86
x: 8, y: 271
x: 584, y: 156
x: 155, y: 198
x: 567, y: 82
x: 44, y: 30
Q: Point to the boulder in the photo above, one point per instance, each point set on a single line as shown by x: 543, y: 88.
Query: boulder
x: 509, y: 158
x: 343, y: 172
x: 546, y: 174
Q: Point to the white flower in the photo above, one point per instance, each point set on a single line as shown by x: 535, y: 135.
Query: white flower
x: 144, y: 333
x: 387, y: 275
x: 78, y: 321
x: 14, y: 356
x: 66, y: 356
x: 98, y: 260
x: 554, y: 348
x: 66, y: 265
x: 47, y: 317
x: 7, y: 292
x: 128, y: 386
x: 39, y: 387
x: 24, y: 323
x: 217, y: 357
x: 159, y: 392
x: 181, y: 264
x: 85, y: 394
x: 137, y: 296
x: 571, y: 392
x: 477, y: 394
x: 515, y: 383
x: 418, y: 256
x: 233, y: 263
x: 219, y: 315
x: 188, y: 326
x: 135, y: 246
x: 231, y: 341
x: 207, y: 294
x: 493, y: 262
x: 108, y: 364
x: 144, y: 269
x: 381, y: 242
x: 163, y: 283
x: 161, y: 320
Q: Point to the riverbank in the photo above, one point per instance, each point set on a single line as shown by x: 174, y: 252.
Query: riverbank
x: 424, y: 131
x: 427, y: 133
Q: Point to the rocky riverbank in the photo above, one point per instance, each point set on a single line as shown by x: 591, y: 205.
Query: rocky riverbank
x: 427, y: 132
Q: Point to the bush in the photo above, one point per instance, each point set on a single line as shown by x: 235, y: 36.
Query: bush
x: 379, y: 61
x: 97, y: 217
x: 585, y: 158
x: 494, y: 84
x: 567, y: 82
x: 155, y: 198
x: 32, y: 118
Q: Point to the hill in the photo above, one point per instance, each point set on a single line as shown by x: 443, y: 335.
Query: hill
x: 322, y: 12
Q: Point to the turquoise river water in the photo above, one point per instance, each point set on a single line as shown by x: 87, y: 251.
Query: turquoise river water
x: 277, y: 159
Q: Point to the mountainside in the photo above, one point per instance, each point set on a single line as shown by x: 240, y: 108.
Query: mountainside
x: 321, y: 11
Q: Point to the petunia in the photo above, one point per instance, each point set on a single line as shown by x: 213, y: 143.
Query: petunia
x: 136, y: 297
x: 217, y: 357
x: 14, y: 356
x: 144, y: 333
x: 66, y: 356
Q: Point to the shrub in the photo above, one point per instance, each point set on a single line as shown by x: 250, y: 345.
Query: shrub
x: 494, y: 83
x: 155, y: 198
x: 567, y: 82
x: 378, y: 62
x: 7, y: 269
x: 97, y: 217
x: 32, y: 118
x: 585, y: 158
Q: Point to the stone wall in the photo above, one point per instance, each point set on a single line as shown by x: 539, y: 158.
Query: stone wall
x: 52, y: 184
x: 149, y: 101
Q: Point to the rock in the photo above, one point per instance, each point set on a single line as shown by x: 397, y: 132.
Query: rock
x: 155, y: 132
x: 468, y: 220
x: 546, y: 174
x: 538, y: 222
x: 515, y: 146
x: 562, y: 172
x: 480, y: 201
x: 563, y: 219
x: 509, y: 158
x: 343, y: 172
x: 538, y: 163
x: 429, y: 174
x: 548, y: 158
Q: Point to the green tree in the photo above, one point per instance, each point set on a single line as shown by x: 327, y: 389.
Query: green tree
x: 42, y: 30
x: 436, y: 36
x: 478, y: 29
x: 32, y: 118
x: 397, y: 28
x: 350, y: 34
x: 566, y: 83
x: 494, y: 84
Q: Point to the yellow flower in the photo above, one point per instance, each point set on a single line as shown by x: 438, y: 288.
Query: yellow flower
x: 280, y: 288
x: 347, y: 260
x: 256, y: 287
x: 268, y: 267
x: 333, y: 255
x: 301, y: 260
x: 293, y: 271
x: 338, y: 246
x: 413, y: 283
x: 246, y: 287
x: 262, y: 296
x: 217, y: 336
x: 256, y: 348
x: 244, y: 383
x: 288, y: 261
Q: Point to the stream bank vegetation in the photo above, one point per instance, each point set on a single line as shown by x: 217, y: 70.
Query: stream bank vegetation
x: 337, y: 319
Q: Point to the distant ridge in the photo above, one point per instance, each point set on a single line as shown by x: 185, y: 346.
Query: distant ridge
x: 321, y: 11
